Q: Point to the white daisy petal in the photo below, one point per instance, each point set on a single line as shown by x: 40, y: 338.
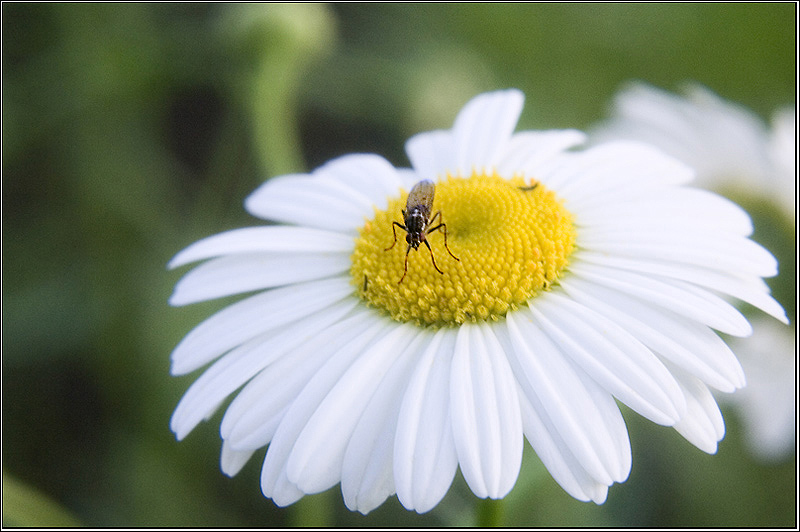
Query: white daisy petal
x: 315, y: 463
x: 611, y: 168
x: 250, y: 317
x: 726, y: 252
x: 370, y: 175
x: 751, y: 290
x: 702, y: 425
x: 254, y: 415
x: 430, y: 153
x: 483, y: 127
x: 674, y: 295
x: 275, y: 483
x: 236, y: 274
x: 685, y: 343
x: 425, y: 458
x: 528, y: 151
x: 310, y: 201
x: 556, y: 456
x: 410, y: 177
x: 272, y: 238
x: 485, y: 412
x: 673, y: 207
x: 704, y: 428
x: 612, y: 357
x: 367, y: 476
x: 242, y: 363
x: 232, y: 461
x: 589, y: 428
x: 614, y: 424
x: 280, y: 490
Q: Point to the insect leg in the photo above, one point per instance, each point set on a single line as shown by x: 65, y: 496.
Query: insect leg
x: 394, y: 232
x: 444, y: 230
x: 443, y: 226
x: 432, y: 259
x: 405, y: 265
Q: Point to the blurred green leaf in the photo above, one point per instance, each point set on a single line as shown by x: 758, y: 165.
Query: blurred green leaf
x: 24, y: 506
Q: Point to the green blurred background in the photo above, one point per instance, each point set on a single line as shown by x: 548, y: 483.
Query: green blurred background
x: 130, y: 131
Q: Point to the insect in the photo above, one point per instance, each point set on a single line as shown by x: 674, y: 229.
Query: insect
x: 417, y: 224
x: 526, y: 189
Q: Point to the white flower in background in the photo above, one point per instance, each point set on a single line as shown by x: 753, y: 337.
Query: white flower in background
x: 728, y: 145
x: 783, y: 156
x: 767, y: 403
x: 573, y: 279
x: 734, y: 151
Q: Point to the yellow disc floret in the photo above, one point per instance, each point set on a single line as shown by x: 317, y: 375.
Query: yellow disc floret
x: 512, y: 239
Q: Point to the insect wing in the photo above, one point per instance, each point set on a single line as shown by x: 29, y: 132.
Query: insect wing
x: 421, y: 195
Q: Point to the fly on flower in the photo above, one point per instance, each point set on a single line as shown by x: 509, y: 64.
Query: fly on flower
x: 415, y: 215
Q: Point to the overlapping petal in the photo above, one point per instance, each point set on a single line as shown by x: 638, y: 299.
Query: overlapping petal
x: 315, y: 463
x: 684, y: 342
x: 246, y: 319
x: 242, y: 363
x: 337, y: 196
x: 425, y: 457
x: 478, y: 138
x: 676, y: 207
x: 555, y: 454
x: 275, y: 482
x: 593, y: 431
x: 674, y: 295
x: 367, y: 469
x: 484, y: 406
x: 750, y: 289
x: 253, y: 416
x: 612, y: 357
x: 615, y: 171
x: 528, y: 151
x: 702, y: 423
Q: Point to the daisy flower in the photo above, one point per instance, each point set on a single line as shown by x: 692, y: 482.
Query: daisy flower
x: 734, y: 151
x: 570, y: 280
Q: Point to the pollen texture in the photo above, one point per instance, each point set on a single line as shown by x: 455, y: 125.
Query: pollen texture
x: 513, y: 238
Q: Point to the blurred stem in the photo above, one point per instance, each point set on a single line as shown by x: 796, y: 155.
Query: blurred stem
x: 313, y: 511
x: 274, y: 108
x: 489, y: 513
x: 278, y: 43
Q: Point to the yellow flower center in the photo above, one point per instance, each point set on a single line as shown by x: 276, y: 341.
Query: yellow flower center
x: 512, y: 240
